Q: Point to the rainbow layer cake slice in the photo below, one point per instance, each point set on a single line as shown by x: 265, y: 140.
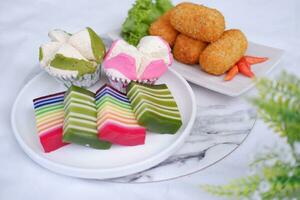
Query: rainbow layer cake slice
x: 154, y: 107
x: 49, y: 115
x: 116, y: 120
x: 80, y: 125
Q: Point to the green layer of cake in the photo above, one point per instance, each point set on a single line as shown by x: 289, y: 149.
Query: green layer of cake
x: 147, y: 86
x: 140, y: 97
x: 47, y: 109
x: 111, y: 98
x: 158, y: 106
x: 76, y: 95
x: 86, y: 104
x: 138, y: 91
x: 84, y: 123
x: 162, y: 112
x: 147, y: 89
x: 80, y: 125
x: 65, y: 63
x: 97, y: 44
x: 157, y: 123
x: 77, y: 108
x: 112, y: 101
x: 74, y: 135
x: 154, y: 107
x: 81, y: 116
x: 80, y: 90
x: 169, y: 102
x: 48, y: 115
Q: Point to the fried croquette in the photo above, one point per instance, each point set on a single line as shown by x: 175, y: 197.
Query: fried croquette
x: 163, y: 28
x: 198, y: 22
x: 187, y: 50
x: 220, y: 56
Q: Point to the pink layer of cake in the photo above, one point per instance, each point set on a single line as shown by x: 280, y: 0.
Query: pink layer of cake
x: 128, y: 66
x: 49, y: 120
x: 122, y: 135
x: 52, y: 139
x: 116, y: 121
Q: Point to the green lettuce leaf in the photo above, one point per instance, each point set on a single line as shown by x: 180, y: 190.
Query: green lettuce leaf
x: 163, y: 5
x: 140, y: 16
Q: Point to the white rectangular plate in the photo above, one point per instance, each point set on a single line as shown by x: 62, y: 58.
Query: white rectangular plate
x: 240, y: 84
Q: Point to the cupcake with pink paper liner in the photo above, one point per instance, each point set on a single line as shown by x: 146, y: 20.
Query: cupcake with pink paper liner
x: 144, y: 64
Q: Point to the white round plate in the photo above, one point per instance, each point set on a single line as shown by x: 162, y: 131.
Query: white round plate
x: 79, y: 161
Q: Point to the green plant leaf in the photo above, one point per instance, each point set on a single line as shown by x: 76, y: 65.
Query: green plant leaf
x: 278, y: 104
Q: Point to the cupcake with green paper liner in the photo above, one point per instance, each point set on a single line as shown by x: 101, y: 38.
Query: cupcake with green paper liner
x: 73, y: 59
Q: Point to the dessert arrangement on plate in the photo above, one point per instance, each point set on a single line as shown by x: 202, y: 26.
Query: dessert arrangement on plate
x: 120, y: 111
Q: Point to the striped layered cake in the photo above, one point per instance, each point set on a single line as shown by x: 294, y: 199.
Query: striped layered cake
x: 116, y: 120
x: 154, y: 107
x: 49, y: 115
x: 80, y: 125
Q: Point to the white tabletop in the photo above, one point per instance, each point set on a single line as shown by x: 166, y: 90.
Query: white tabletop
x: 24, y: 26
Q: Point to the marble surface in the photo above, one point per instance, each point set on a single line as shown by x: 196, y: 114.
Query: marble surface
x: 24, y: 26
x: 218, y: 131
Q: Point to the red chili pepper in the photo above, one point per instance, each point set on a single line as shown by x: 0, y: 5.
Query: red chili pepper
x: 231, y: 73
x: 255, y: 60
x: 244, y: 68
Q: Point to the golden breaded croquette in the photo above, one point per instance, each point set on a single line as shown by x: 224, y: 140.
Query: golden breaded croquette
x: 220, y: 56
x: 163, y: 28
x: 198, y: 22
x: 187, y: 50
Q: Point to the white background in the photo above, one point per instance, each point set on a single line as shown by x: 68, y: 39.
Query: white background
x: 24, y: 26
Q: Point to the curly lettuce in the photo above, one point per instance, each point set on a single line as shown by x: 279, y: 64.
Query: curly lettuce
x: 163, y: 5
x: 140, y: 16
